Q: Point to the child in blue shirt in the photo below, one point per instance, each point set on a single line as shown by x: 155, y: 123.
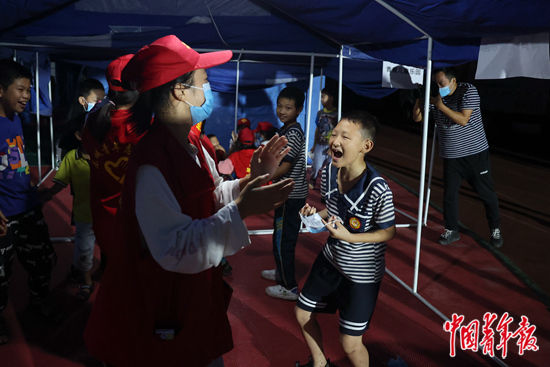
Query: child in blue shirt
x: 26, y: 231
x: 359, y: 216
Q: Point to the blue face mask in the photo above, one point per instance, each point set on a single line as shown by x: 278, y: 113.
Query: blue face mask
x: 445, y: 91
x: 201, y: 113
x: 89, y: 106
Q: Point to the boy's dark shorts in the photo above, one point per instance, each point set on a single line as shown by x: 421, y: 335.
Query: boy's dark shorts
x: 327, y: 290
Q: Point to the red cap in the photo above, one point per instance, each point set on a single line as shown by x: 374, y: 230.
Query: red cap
x: 246, y: 136
x: 264, y: 126
x: 243, y: 122
x: 166, y: 59
x: 114, y: 70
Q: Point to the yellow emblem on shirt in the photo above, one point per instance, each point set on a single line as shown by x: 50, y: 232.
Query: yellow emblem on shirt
x: 354, y: 223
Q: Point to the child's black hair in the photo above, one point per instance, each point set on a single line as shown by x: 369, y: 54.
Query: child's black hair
x: 293, y: 93
x: 153, y: 101
x: 11, y: 70
x: 86, y: 86
x: 368, y: 123
x: 99, y: 122
x: 331, y: 92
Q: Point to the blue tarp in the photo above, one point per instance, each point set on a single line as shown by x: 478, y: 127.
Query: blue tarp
x: 104, y: 29
x: 100, y: 30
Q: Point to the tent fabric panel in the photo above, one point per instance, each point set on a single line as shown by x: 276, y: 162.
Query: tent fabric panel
x: 17, y: 11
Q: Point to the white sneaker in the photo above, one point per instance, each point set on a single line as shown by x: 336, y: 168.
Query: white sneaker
x: 269, y: 274
x: 278, y: 291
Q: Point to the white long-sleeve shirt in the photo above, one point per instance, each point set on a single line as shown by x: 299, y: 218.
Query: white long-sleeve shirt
x: 176, y: 241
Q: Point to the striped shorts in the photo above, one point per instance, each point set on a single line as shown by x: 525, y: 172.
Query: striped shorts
x: 327, y: 290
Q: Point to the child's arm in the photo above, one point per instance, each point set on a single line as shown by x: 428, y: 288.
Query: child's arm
x: 315, y: 140
x: 340, y: 232
x: 282, y: 170
x: 295, y: 143
x: 49, y: 193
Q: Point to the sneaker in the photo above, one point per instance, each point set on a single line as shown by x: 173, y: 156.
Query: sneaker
x: 496, y: 238
x: 278, y: 291
x: 269, y: 274
x: 448, y: 237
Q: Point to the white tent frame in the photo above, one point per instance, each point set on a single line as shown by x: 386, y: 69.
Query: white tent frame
x: 421, y: 215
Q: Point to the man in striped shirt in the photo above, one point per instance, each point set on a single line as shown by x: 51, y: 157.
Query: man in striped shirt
x: 359, y: 216
x: 465, y: 152
x: 286, y: 221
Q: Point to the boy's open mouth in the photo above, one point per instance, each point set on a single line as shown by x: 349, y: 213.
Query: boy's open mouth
x: 337, y: 153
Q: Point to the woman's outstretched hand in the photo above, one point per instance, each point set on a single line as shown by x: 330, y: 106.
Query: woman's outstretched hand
x: 257, y: 199
x: 267, y: 158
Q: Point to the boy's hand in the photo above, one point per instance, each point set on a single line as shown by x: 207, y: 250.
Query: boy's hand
x: 308, y: 210
x: 3, y: 224
x: 337, y: 229
x: 256, y: 199
x: 267, y: 158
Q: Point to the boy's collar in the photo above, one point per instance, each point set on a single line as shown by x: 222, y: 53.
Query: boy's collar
x: 288, y: 124
x: 327, y: 110
x: 355, y: 193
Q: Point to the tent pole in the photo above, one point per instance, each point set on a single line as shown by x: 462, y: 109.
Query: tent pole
x: 320, y: 89
x: 52, y: 169
x: 340, y: 81
x: 51, y: 113
x: 37, y: 99
x: 398, y: 14
x: 430, y: 172
x: 423, y: 161
x: 237, y: 92
x: 309, y: 99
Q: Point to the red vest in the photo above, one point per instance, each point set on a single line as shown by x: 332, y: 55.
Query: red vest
x: 108, y: 163
x: 149, y: 298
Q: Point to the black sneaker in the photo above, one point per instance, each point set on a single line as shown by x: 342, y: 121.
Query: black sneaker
x: 448, y: 237
x: 496, y: 238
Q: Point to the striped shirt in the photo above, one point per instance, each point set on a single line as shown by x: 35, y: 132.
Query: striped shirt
x: 457, y: 141
x: 296, y: 156
x: 366, y: 207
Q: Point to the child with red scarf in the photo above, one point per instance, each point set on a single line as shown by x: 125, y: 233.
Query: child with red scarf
x: 109, y: 138
x: 239, y: 161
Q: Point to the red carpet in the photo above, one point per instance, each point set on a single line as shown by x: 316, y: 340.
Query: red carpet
x: 463, y: 278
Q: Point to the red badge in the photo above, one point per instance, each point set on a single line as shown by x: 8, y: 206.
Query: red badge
x: 354, y: 223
